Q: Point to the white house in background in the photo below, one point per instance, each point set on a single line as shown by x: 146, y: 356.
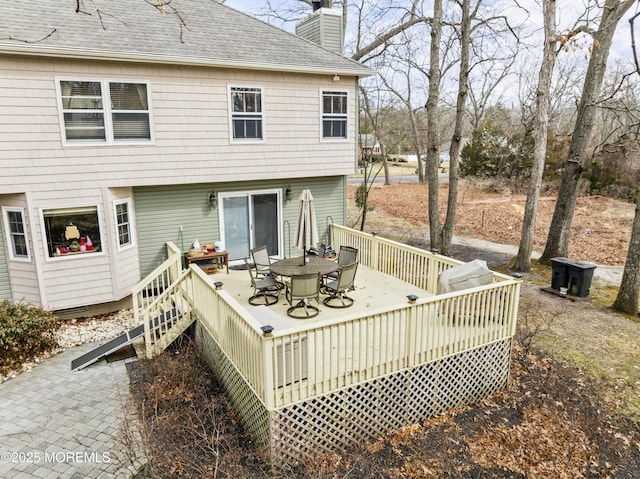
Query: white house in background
x: 369, y: 144
x: 444, y: 152
x: 128, y: 124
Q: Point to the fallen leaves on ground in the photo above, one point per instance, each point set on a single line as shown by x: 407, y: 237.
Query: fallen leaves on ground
x: 547, y: 423
x: 497, y: 216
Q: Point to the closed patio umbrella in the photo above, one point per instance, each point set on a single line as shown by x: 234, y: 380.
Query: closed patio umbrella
x: 307, y: 233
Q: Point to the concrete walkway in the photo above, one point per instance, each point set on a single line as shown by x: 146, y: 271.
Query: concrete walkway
x: 55, y: 423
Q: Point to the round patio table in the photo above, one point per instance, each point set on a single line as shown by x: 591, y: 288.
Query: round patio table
x: 294, y: 266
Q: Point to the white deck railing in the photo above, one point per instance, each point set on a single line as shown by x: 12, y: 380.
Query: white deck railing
x: 413, y: 265
x: 305, y: 361
x: 159, y: 302
x: 157, y: 281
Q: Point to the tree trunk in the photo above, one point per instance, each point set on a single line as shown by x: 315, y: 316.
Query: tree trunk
x: 454, y: 151
x: 416, y: 139
x: 433, y: 148
x: 560, y: 229
x: 523, y: 258
x: 627, y: 299
x: 385, y: 164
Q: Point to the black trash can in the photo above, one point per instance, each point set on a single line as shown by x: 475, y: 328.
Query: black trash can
x: 580, y: 275
x: 560, y: 272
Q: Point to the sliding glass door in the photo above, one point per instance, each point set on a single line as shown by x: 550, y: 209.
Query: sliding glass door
x: 250, y: 219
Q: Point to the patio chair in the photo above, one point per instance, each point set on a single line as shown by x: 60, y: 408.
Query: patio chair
x: 266, y: 291
x: 262, y: 262
x: 348, y: 255
x: 302, y: 289
x: 338, y: 288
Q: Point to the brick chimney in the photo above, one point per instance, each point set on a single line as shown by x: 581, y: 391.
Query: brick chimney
x: 323, y: 27
x: 320, y: 4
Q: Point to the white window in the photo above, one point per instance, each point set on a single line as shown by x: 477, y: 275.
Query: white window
x: 334, y: 114
x: 16, y: 232
x: 101, y: 111
x: 72, y: 231
x: 246, y: 113
x: 122, y: 211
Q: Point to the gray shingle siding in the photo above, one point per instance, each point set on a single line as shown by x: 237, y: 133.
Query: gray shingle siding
x: 190, y: 32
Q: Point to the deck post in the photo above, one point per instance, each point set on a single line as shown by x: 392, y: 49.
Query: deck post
x: 514, y: 293
x: 267, y: 367
x: 147, y: 335
x: 412, y: 328
x: 135, y: 305
x: 375, y: 245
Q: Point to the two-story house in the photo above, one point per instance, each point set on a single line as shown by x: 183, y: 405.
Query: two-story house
x: 131, y: 123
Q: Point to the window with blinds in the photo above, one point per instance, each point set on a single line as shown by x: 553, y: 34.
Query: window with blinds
x: 105, y: 111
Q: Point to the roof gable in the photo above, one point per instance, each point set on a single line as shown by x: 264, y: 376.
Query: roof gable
x: 194, y: 32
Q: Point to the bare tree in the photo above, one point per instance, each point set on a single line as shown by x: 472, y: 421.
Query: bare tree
x: 629, y: 292
x: 372, y: 40
x: 399, y: 79
x: 433, y: 140
x: 523, y: 258
x: 446, y: 235
x: 560, y: 229
x: 469, y: 24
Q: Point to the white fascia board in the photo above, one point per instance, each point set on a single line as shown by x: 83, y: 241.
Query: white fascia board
x: 172, y: 60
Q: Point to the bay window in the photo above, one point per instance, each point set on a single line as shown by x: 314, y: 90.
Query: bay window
x: 72, y: 231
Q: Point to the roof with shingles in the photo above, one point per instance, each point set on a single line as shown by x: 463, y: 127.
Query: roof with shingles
x: 191, y: 32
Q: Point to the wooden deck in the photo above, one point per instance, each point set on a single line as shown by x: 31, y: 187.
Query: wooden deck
x: 310, y: 385
x: 374, y: 291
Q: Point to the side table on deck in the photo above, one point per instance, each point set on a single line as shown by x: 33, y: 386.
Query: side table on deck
x: 210, y: 261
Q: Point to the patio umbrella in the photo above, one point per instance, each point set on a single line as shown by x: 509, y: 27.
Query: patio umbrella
x: 307, y: 233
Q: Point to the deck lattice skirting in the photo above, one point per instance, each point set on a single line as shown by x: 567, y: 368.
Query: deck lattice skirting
x: 245, y: 402
x: 323, y: 424
x: 311, y: 388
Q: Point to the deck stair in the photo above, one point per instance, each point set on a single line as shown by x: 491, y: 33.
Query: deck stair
x: 170, y: 320
x: 163, y: 310
x: 167, y: 316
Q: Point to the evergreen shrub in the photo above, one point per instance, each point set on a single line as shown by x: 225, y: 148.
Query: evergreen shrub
x: 25, y: 332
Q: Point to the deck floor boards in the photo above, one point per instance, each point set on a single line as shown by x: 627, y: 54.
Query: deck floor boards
x: 374, y: 290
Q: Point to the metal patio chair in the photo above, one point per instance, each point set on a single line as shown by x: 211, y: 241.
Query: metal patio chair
x: 262, y: 262
x: 266, y: 291
x: 347, y: 255
x: 338, y: 288
x: 303, y: 288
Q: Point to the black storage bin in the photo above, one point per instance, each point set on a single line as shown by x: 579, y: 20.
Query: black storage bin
x: 560, y: 273
x: 580, y: 275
